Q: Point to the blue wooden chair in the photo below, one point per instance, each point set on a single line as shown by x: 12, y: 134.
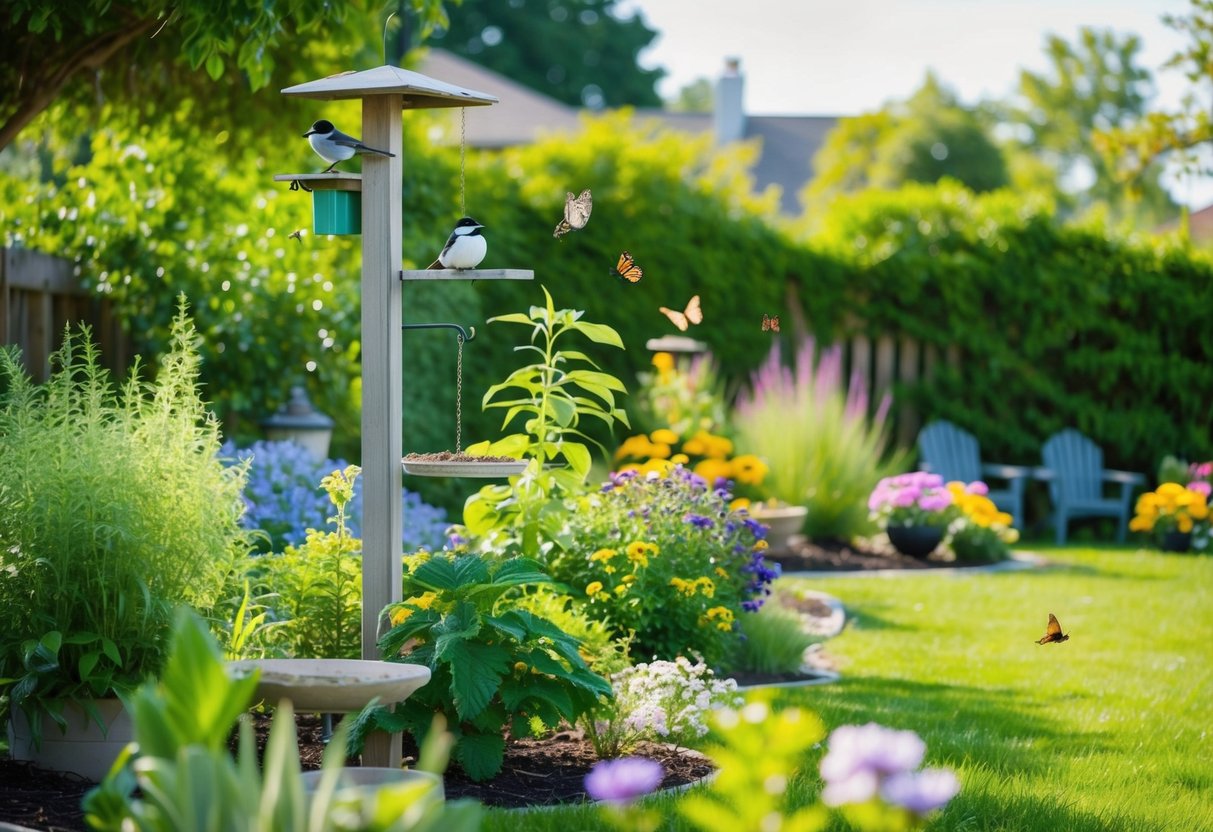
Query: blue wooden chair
x: 1076, y: 476
x: 952, y: 452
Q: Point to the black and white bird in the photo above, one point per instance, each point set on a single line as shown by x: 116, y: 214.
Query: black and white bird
x: 333, y: 146
x: 465, y: 248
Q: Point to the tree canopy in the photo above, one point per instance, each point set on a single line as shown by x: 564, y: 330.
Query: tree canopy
x: 582, y: 52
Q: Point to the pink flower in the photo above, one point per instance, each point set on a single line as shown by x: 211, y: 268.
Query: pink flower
x: 623, y: 780
x: 978, y: 487
x: 1201, y: 487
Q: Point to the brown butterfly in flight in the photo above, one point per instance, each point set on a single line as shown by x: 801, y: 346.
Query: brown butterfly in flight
x: 770, y: 322
x: 627, y: 269
x: 693, y: 314
x: 1053, y: 633
x: 576, y: 213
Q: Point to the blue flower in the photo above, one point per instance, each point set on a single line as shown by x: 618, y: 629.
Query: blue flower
x: 699, y: 521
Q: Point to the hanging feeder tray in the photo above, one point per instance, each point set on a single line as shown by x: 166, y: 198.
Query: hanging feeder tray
x: 467, y: 274
x: 336, y: 199
x: 461, y: 465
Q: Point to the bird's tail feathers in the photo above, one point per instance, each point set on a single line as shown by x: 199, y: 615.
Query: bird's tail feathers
x: 437, y: 264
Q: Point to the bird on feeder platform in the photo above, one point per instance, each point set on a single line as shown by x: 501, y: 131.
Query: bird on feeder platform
x: 465, y: 248
x: 333, y: 146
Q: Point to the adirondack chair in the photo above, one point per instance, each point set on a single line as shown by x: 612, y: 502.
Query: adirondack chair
x: 952, y: 452
x: 1076, y: 476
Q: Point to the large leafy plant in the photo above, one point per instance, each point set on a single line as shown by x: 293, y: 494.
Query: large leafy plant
x: 179, y: 776
x: 492, y: 664
x: 552, y: 395
x: 114, y: 509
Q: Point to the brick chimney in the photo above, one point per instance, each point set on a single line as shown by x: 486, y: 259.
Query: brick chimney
x: 729, y: 115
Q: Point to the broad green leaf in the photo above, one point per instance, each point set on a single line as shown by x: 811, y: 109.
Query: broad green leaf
x: 512, y: 318
x: 476, y: 672
x: 578, y: 456
x: 480, y: 755
x: 479, y: 517
x: 563, y: 410
x: 593, y: 377
x: 214, y: 66
x: 518, y: 571
x: 599, y: 333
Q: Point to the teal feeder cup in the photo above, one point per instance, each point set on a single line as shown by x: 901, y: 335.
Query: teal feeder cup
x: 337, y: 212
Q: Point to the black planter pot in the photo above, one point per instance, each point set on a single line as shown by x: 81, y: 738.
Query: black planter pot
x: 1176, y: 541
x: 915, y: 541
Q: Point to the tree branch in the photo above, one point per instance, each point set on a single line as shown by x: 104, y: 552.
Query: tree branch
x: 42, y: 92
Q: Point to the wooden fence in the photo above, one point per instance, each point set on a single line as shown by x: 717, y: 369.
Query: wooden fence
x: 39, y: 296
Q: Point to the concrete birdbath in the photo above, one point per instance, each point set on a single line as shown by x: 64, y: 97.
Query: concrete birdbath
x: 333, y: 685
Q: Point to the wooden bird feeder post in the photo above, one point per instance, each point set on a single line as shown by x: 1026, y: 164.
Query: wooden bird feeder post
x: 385, y: 92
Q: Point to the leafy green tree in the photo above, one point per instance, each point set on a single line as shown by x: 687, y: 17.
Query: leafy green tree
x: 924, y: 139
x: 143, y: 50
x: 1091, y: 86
x: 1133, y: 150
x: 696, y: 97
x: 582, y: 52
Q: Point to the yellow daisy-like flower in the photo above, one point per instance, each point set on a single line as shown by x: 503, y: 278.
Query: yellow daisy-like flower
x: 761, y: 546
x: 593, y: 588
x: 621, y: 590
x: 664, y: 436
x: 720, y: 573
x: 695, y: 446
x: 706, y: 586
x: 603, y: 555
x: 749, y: 469
x: 636, y: 447
x: 638, y: 552
x: 722, y: 617
x: 661, y: 467
x: 684, y: 586
x: 628, y: 579
x: 663, y: 361
x: 680, y: 459
x: 739, y: 503
x: 659, y: 450
x: 713, y: 469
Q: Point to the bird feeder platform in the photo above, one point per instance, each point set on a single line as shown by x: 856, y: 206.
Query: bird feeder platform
x: 336, y: 199
x: 467, y: 274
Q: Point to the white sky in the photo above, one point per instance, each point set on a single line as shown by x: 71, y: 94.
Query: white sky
x: 844, y: 57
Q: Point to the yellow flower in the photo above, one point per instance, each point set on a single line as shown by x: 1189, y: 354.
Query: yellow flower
x: 621, y: 590
x: 680, y: 459
x: 603, y: 555
x: 664, y: 436
x: 713, y: 469
x: 749, y: 469
x: 706, y: 586
x: 593, y: 588
x: 720, y: 573
x: 663, y: 361
x: 627, y: 579
x: 659, y: 450
x: 761, y: 546
x: 638, y: 552
x: 684, y: 586
x: 739, y: 503
x: 722, y: 616
x: 695, y: 446
x: 660, y: 467
x: 636, y: 447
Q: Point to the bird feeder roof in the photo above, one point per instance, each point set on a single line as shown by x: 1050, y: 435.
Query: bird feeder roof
x: 419, y: 91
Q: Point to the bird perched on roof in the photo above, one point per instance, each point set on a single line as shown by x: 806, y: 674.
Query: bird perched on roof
x: 333, y: 146
x: 465, y: 248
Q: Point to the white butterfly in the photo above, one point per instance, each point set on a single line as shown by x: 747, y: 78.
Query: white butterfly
x: 576, y: 213
x: 691, y: 315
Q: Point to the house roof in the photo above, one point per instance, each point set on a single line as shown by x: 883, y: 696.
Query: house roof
x: 788, y: 143
x: 1200, y: 225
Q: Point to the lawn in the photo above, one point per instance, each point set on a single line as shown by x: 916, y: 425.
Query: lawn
x: 1107, y: 731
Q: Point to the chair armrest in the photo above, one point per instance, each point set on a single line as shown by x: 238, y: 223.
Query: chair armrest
x: 1043, y: 474
x: 1124, y: 477
x: 1006, y: 472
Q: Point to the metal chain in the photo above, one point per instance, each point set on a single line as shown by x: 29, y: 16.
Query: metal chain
x: 463, y: 143
x: 459, y: 394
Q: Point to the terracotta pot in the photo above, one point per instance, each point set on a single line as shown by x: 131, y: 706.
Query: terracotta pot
x: 915, y: 541
x: 85, y: 748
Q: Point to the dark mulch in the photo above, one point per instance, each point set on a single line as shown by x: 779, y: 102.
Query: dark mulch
x: 804, y: 555
x: 536, y: 773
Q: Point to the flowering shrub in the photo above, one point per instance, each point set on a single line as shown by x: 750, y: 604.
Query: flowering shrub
x: 914, y: 499
x: 980, y: 532
x: 283, y: 500
x: 872, y: 767
x: 660, y: 701
x: 1175, y: 508
x: 665, y: 558
x: 704, y: 453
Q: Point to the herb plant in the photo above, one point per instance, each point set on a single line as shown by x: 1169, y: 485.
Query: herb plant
x: 492, y: 665
x: 114, y: 509
x: 553, y: 394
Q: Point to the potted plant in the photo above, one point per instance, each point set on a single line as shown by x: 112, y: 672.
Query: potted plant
x: 114, y: 509
x: 914, y: 510
x: 1177, y: 516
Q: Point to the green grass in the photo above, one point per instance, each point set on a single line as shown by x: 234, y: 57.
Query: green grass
x: 1110, y: 730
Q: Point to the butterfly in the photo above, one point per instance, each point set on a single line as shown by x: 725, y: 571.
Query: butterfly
x: 627, y: 269
x: 770, y: 322
x: 1053, y: 633
x: 691, y: 315
x: 576, y: 213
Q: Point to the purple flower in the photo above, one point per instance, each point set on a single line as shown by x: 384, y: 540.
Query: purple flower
x: 921, y: 791
x: 699, y: 521
x: 935, y: 502
x: 871, y: 747
x: 623, y: 780
x: 859, y: 787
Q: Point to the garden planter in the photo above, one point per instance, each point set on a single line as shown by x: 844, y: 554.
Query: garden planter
x: 1176, y: 541
x: 915, y: 541
x: 783, y: 523
x: 85, y: 748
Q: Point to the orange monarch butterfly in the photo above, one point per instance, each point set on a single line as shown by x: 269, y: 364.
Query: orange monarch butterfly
x: 691, y: 315
x: 576, y: 213
x: 1053, y: 633
x: 627, y: 269
x: 770, y: 322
